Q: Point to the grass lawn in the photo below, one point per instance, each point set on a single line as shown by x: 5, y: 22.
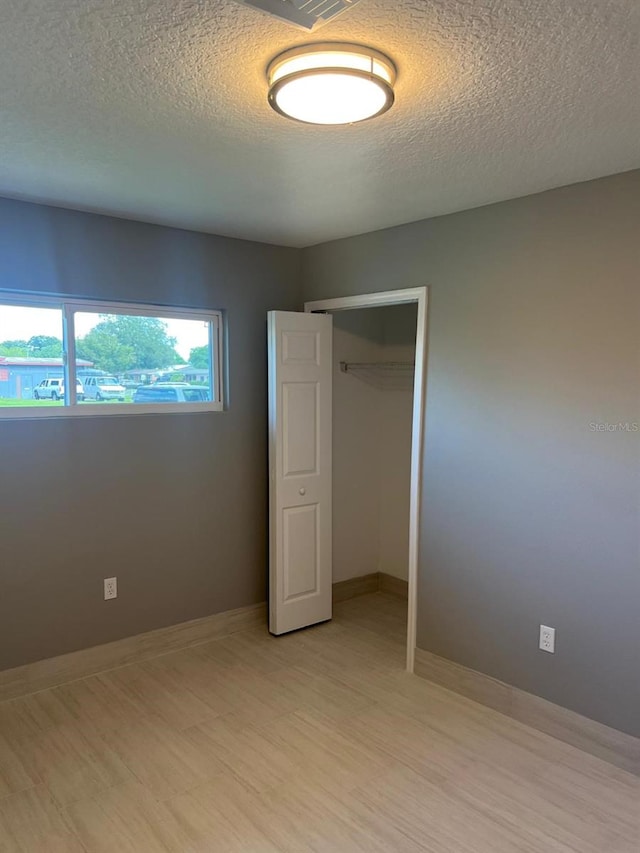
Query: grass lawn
x: 7, y: 402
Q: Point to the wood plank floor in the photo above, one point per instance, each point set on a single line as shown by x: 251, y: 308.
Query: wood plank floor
x: 313, y: 741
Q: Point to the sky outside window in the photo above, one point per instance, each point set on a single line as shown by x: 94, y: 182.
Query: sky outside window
x: 22, y: 323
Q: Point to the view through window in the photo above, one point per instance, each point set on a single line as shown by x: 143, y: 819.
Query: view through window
x: 132, y: 357
x: 31, y: 356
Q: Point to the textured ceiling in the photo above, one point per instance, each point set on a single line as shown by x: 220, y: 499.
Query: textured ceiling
x: 157, y: 110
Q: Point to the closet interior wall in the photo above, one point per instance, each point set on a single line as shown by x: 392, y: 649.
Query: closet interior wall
x: 372, y: 411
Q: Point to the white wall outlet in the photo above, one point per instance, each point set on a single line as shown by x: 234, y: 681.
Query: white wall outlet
x: 110, y: 588
x: 547, y: 639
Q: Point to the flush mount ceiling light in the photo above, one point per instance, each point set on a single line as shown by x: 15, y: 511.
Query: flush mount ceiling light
x: 331, y: 83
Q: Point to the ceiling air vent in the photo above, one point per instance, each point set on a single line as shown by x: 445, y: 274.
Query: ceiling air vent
x: 309, y: 14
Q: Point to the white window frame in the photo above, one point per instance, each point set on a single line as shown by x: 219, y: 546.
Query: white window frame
x: 68, y: 307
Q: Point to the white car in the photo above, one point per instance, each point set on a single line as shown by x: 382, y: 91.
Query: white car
x: 53, y: 389
x: 103, y: 388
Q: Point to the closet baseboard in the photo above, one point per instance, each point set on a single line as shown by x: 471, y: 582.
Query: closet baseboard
x: 51, y: 672
x: 617, y: 748
x: 365, y: 584
x: 393, y: 586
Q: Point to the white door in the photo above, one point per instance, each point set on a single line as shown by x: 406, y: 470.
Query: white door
x: 300, y: 359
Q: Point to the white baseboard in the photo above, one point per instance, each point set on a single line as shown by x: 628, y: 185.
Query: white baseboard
x: 363, y: 585
x: 618, y: 748
x: 366, y: 584
x: 51, y: 672
x: 392, y: 585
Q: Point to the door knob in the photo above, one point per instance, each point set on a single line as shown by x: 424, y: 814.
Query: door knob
x: 303, y: 491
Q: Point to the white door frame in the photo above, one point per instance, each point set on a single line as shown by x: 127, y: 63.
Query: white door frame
x: 418, y: 295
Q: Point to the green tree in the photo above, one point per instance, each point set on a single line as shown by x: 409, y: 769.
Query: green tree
x: 122, y: 342
x: 101, y: 347
x: 199, y: 357
x: 16, y: 349
x: 38, y: 346
x: 45, y: 346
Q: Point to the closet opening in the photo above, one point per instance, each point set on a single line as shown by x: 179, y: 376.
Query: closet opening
x: 378, y: 415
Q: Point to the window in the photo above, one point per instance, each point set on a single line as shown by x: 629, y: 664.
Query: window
x: 64, y: 357
x: 31, y: 356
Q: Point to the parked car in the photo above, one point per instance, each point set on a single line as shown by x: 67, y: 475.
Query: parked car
x: 170, y: 392
x: 103, y: 388
x: 53, y: 389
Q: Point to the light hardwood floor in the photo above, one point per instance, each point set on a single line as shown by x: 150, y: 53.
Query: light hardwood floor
x: 317, y: 741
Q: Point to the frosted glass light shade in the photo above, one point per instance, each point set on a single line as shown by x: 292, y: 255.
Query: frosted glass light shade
x: 331, y: 83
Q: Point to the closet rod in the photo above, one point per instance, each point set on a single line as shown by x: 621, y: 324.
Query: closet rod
x: 346, y: 366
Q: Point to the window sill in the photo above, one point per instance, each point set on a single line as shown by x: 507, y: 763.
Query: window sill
x: 97, y: 410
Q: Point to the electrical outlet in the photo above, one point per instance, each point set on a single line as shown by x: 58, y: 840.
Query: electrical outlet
x: 110, y: 588
x: 547, y: 639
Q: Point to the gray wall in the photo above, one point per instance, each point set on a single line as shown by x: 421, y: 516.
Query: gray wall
x: 174, y: 505
x: 529, y: 516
